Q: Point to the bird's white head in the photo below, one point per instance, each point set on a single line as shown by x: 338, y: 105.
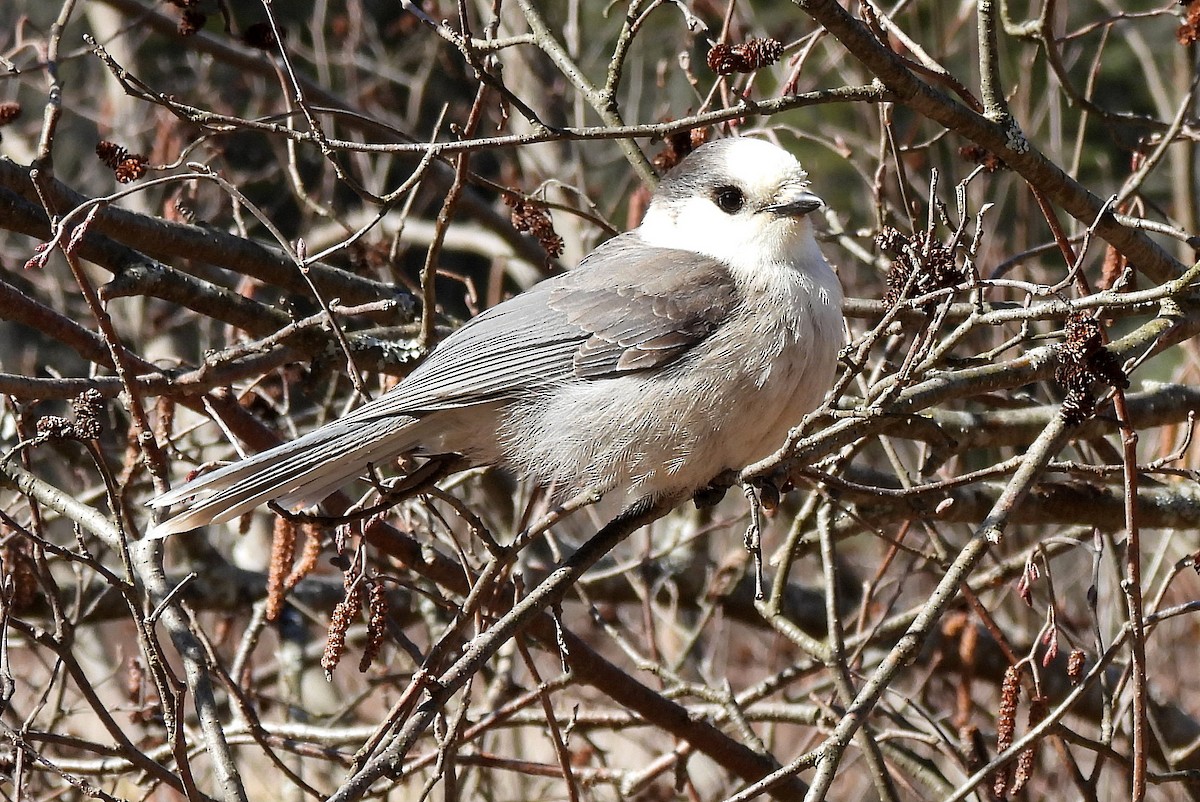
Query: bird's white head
x: 742, y: 201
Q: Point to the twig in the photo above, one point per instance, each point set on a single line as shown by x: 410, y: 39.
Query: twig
x: 828, y: 756
x: 52, y: 112
x: 603, y: 104
x: 548, y: 592
x: 1015, y: 150
x: 445, y: 214
x: 995, y: 107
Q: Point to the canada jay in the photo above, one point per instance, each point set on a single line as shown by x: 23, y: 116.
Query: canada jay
x: 673, y: 353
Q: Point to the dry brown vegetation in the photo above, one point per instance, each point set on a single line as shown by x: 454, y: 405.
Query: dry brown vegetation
x: 223, y: 223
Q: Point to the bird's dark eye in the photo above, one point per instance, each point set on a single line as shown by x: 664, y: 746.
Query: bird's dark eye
x: 729, y: 199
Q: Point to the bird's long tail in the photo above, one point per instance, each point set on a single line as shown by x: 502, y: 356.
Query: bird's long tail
x: 296, y: 474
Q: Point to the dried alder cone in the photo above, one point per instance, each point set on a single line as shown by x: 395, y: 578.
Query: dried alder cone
x: 126, y: 166
x: 745, y: 57
x: 192, y: 19
x: 1083, y: 363
x: 920, y: 265
x: 191, y: 22
x: 86, y: 407
x: 1075, y: 666
x: 531, y: 219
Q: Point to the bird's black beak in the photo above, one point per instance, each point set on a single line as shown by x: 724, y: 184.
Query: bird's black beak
x: 798, y: 206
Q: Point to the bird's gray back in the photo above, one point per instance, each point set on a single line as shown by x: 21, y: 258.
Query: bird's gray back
x: 627, y: 307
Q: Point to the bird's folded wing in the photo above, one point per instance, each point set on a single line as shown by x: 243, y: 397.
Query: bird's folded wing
x: 635, y: 326
x: 628, y: 307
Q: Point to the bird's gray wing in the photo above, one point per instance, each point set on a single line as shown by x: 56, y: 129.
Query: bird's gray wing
x: 642, y: 307
x: 627, y: 307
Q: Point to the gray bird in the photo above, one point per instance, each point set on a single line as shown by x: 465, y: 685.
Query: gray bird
x: 673, y: 353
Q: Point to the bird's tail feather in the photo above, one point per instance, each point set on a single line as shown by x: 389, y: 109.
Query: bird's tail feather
x: 296, y: 474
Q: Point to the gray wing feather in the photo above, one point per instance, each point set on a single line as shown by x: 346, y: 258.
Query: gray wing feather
x: 652, y: 309
x: 627, y: 307
x: 298, y: 473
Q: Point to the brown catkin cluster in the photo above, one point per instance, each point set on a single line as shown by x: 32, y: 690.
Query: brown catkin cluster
x: 308, y: 557
x: 87, y: 407
x: 919, y: 266
x: 1083, y: 363
x: 1038, y: 707
x: 126, y: 166
x: 746, y: 57
x: 1189, y: 30
x: 1006, y: 724
x: 343, y: 616
x: 377, y: 614
x: 283, y: 553
x: 529, y: 218
x: 678, y: 145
